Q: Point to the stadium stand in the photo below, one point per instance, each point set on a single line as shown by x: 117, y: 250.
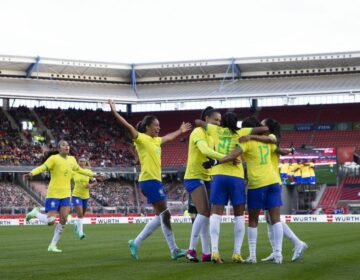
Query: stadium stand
x: 330, y: 197
x: 91, y: 133
x: 13, y: 196
x: 114, y: 193
x: 351, y: 189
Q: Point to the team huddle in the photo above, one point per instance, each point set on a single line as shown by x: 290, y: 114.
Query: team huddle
x: 301, y: 172
x: 214, y: 176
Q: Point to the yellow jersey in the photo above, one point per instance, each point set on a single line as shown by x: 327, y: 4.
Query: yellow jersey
x: 194, y: 168
x: 225, y: 142
x: 275, y: 162
x: 149, y: 152
x: 61, y: 169
x: 290, y: 170
x: 284, y: 167
x: 312, y: 169
x: 305, y: 171
x: 297, y: 173
x: 260, y: 168
x: 80, y: 181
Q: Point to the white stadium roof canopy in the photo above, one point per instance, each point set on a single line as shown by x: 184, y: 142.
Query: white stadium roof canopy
x: 39, y: 78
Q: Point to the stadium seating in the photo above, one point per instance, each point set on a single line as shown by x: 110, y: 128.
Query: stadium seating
x: 351, y: 189
x: 13, y: 151
x: 96, y: 134
x: 330, y: 197
x: 11, y: 195
x: 114, y: 193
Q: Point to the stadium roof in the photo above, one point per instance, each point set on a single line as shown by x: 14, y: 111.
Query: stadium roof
x: 62, y: 79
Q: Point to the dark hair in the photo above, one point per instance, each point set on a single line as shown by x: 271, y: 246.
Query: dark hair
x: 207, y: 112
x: 230, y: 120
x: 146, y: 121
x: 250, y: 122
x: 274, y: 128
x: 52, y: 151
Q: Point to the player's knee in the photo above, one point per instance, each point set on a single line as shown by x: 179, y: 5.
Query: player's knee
x: 50, y: 223
x: 205, y: 211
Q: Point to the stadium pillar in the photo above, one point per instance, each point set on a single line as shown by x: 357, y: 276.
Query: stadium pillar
x: 129, y: 110
x: 254, y: 105
x: 6, y: 104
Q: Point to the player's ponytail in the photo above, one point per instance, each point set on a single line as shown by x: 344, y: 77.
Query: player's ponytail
x: 230, y: 120
x: 207, y: 112
x: 51, y: 152
x: 146, y: 121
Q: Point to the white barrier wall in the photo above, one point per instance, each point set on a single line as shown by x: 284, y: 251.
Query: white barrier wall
x: 182, y: 219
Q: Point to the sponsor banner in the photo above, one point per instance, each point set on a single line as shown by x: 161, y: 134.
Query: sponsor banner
x: 304, y: 126
x: 182, y: 219
x: 324, y: 126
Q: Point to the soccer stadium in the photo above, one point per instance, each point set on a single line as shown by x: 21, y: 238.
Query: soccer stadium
x: 242, y: 167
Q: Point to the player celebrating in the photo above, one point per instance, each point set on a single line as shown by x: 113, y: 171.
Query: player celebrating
x: 61, y: 166
x: 197, y: 183
x: 148, y: 146
x: 299, y: 246
x: 312, y: 173
x: 264, y: 191
x: 228, y: 183
x: 80, y: 196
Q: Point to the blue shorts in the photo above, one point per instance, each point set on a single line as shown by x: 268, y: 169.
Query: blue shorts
x: 78, y: 201
x: 312, y: 180
x: 54, y: 204
x: 192, y: 184
x: 283, y: 175
x: 153, y: 190
x: 225, y: 188
x: 265, y: 198
x: 305, y: 181
x: 298, y: 179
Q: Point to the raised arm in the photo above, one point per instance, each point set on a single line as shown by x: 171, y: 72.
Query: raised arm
x: 171, y: 136
x: 133, y: 132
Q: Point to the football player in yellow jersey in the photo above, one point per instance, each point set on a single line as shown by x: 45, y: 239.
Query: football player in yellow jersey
x: 296, y: 167
x: 312, y: 173
x: 299, y: 246
x: 264, y: 191
x: 148, y: 146
x: 80, y: 196
x: 290, y: 172
x: 228, y: 183
x: 58, y: 196
x: 197, y: 183
x: 305, y: 173
x: 284, y: 167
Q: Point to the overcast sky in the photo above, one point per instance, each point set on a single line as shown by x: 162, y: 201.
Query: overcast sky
x: 135, y: 31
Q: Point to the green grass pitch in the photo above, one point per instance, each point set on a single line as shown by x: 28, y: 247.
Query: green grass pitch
x: 334, y: 253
